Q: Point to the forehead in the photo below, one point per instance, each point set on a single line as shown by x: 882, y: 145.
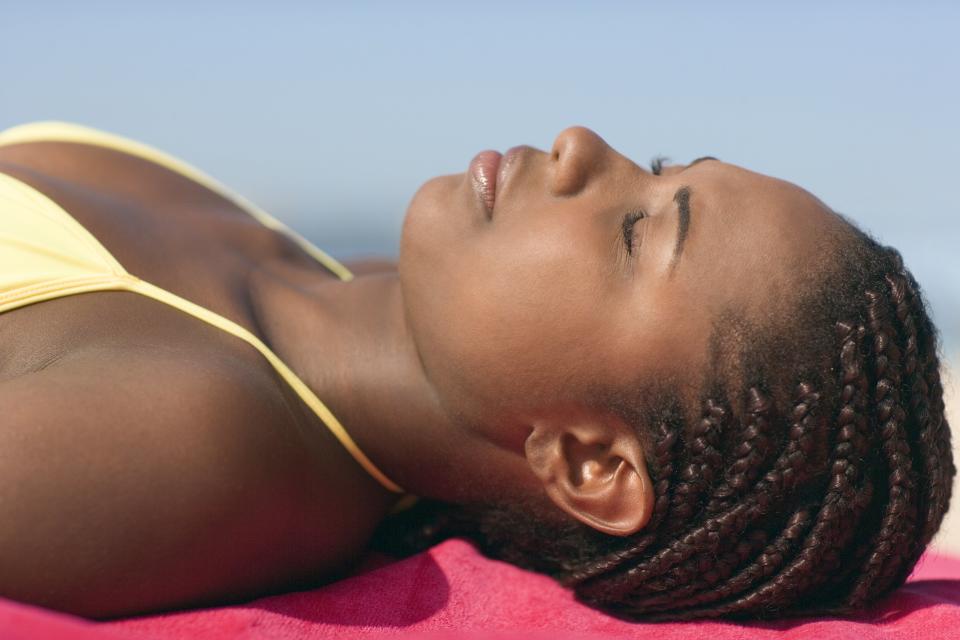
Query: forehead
x: 754, y: 242
x: 752, y: 238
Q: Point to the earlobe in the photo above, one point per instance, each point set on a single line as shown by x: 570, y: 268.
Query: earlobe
x: 593, y: 468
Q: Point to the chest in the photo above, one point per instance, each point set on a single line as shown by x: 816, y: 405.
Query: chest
x: 182, y: 237
x: 161, y: 226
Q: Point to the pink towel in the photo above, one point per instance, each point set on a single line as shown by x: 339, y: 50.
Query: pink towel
x: 451, y: 589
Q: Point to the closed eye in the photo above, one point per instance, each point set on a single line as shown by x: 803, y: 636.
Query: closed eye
x: 629, y: 221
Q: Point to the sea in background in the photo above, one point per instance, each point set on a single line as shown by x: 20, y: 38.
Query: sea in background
x: 330, y: 115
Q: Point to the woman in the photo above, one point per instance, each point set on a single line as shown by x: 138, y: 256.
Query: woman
x: 692, y: 391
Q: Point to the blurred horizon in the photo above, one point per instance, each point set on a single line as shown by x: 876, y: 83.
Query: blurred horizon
x: 331, y: 115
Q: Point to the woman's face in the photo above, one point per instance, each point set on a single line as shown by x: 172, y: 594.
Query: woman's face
x: 531, y: 283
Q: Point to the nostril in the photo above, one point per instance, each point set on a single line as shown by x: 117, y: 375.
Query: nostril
x: 577, y: 154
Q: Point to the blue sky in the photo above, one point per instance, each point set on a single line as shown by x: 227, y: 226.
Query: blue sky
x: 331, y: 115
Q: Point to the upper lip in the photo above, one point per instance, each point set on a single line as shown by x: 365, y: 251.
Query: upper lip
x: 491, y: 173
x: 507, y: 164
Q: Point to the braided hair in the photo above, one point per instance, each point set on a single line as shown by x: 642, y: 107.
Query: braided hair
x: 806, y: 478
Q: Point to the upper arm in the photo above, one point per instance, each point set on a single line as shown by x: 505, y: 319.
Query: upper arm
x: 132, y: 482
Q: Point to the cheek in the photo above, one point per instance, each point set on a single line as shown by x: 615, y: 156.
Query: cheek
x: 523, y: 321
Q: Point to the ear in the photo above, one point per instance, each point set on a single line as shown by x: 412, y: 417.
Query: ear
x: 593, y: 468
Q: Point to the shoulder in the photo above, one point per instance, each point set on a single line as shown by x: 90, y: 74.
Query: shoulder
x: 178, y: 463
x: 367, y: 266
x: 180, y: 405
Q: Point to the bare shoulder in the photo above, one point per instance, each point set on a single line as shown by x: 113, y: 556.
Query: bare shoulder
x: 138, y: 475
x: 170, y: 396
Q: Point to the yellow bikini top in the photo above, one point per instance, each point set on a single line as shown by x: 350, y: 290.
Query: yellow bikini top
x: 45, y: 254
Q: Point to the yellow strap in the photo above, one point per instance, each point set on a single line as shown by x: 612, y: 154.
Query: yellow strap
x: 147, y: 289
x: 72, y: 286
x: 66, y: 132
x: 61, y: 288
x: 91, y: 278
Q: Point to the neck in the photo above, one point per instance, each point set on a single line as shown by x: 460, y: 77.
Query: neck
x: 349, y: 342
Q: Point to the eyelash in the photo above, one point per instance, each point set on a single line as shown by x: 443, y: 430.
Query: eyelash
x: 629, y: 221
x: 656, y: 165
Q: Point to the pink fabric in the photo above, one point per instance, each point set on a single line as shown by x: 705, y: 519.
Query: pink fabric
x: 451, y: 590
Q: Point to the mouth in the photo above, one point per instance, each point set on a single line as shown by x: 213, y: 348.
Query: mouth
x: 483, y: 174
x: 490, y: 171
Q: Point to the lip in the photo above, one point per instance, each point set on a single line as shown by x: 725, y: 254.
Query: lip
x: 510, y: 158
x: 483, y: 173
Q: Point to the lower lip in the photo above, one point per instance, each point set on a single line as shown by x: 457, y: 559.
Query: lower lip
x: 483, y: 172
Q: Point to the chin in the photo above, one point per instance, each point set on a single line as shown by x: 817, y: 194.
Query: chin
x: 429, y: 228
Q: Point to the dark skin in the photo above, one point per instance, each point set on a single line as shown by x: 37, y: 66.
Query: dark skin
x: 151, y: 461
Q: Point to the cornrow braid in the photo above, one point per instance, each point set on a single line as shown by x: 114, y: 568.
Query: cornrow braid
x: 751, y: 453
x: 801, y: 436
x: 926, y: 403
x: 766, y: 564
x: 663, y: 471
x: 839, y: 511
x: 703, y: 466
x: 707, y: 536
x: 894, y: 539
x: 808, y: 476
x: 707, y: 567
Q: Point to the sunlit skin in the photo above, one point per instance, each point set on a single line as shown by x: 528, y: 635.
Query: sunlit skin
x: 470, y: 371
x: 521, y: 317
x: 508, y: 322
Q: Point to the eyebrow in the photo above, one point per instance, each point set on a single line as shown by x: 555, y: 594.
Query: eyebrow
x: 700, y: 159
x: 682, y: 198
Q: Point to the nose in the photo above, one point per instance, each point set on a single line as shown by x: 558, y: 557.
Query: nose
x: 577, y: 155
